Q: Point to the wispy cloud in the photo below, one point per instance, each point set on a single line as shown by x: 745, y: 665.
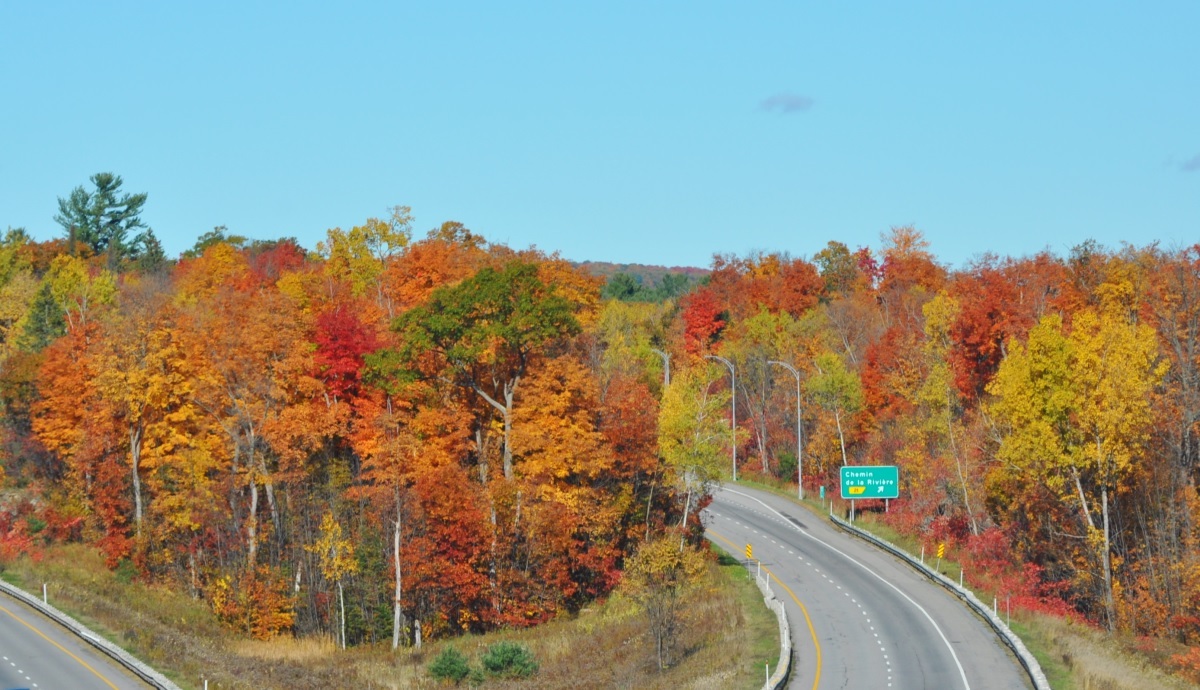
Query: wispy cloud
x: 1192, y: 164
x: 787, y: 103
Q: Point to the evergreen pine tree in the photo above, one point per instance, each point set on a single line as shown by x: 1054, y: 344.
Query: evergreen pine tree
x: 46, y: 321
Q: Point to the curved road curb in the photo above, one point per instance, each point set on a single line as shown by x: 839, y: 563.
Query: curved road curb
x: 784, y: 668
x: 1032, y: 667
x: 141, y: 670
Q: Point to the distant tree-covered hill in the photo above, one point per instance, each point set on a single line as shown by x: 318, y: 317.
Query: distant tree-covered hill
x: 642, y: 283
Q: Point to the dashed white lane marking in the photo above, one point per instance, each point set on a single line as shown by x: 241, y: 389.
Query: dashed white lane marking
x: 776, y: 517
x: 826, y: 577
x: 882, y: 649
x: 23, y: 674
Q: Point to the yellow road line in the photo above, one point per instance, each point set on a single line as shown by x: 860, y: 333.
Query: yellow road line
x: 803, y: 609
x: 64, y: 650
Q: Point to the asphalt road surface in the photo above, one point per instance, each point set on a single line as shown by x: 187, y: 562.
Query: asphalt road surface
x: 36, y: 652
x: 861, y: 618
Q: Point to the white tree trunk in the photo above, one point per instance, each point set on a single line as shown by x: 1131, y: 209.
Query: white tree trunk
x: 342, y: 610
x: 135, y: 454
x: 837, y: 417
x: 397, y: 616
x: 1109, y: 605
x: 252, y: 525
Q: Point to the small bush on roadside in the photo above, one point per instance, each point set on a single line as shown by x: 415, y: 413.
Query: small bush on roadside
x: 450, y: 665
x: 509, y: 660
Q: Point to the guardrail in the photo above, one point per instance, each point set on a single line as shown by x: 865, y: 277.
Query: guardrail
x: 141, y: 670
x: 1032, y: 667
x: 783, y: 669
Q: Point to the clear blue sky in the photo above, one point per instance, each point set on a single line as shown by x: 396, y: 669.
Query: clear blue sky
x: 651, y: 132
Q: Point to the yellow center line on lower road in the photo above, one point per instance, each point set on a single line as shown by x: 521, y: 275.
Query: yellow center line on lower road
x: 804, y: 610
x: 64, y: 650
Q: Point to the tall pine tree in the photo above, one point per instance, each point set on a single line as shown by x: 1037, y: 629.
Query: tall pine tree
x: 102, y: 219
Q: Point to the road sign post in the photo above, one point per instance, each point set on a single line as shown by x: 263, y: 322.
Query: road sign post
x: 870, y: 481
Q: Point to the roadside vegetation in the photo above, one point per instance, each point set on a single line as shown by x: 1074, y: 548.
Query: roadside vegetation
x: 726, y: 636
x: 397, y: 442
x: 1074, y: 654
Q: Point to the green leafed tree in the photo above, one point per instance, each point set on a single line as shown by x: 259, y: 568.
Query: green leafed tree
x: 148, y: 253
x: 838, y: 390
x: 694, y: 434
x: 483, y: 334
x: 103, y: 217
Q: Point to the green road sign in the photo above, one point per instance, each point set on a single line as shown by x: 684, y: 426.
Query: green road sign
x: 870, y: 481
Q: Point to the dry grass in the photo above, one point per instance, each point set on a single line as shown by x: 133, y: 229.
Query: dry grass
x: 290, y: 649
x: 728, y: 637
x: 1079, y: 657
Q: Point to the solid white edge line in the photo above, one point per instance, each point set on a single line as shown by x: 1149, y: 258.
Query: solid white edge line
x: 961, y: 672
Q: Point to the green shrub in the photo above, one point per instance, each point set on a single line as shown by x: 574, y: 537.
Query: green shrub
x: 509, y: 660
x: 451, y: 664
x: 125, y: 571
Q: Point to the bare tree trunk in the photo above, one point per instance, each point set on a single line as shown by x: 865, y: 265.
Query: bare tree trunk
x: 270, y: 489
x: 509, y: 390
x: 649, y: 501
x: 252, y: 525
x: 397, y: 615
x: 135, y: 453
x: 192, y: 570
x: 962, y: 478
x: 1109, y: 605
x: 342, y: 610
x: 1087, y: 514
x: 505, y: 409
x: 837, y: 417
x: 687, y: 507
x: 481, y: 455
x: 493, y: 580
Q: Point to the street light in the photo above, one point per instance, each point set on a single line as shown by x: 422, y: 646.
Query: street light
x: 733, y: 400
x: 799, y: 428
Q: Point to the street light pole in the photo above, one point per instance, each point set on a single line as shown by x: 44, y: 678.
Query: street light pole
x: 799, y: 428
x: 733, y: 401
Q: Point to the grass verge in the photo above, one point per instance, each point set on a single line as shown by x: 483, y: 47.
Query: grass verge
x: 727, y: 637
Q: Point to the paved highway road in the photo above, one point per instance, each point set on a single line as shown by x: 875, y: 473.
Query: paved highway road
x: 36, y: 652
x: 861, y: 618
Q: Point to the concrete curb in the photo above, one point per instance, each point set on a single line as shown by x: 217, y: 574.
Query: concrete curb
x: 1032, y: 667
x: 784, y: 668
x: 141, y: 670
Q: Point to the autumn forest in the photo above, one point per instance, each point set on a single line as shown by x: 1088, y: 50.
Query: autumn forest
x: 402, y: 435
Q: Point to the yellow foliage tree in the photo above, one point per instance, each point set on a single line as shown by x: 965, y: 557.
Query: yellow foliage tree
x: 656, y: 577
x: 1075, y: 413
x: 336, y: 552
x: 694, y: 433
